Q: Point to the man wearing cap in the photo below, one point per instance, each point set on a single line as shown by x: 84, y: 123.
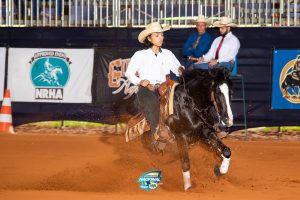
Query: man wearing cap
x: 198, y: 43
x: 224, y: 48
x: 148, y: 69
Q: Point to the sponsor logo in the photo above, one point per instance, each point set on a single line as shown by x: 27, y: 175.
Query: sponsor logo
x: 150, y: 180
x: 289, y: 81
x: 49, y: 74
x: 117, y: 79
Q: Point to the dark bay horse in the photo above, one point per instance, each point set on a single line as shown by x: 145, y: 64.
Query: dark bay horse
x: 201, y: 101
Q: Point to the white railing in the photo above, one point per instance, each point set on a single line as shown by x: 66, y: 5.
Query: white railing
x: 138, y: 13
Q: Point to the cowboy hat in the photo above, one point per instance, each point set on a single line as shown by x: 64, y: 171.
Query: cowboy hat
x: 203, y: 19
x: 154, y: 27
x: 225, y: 21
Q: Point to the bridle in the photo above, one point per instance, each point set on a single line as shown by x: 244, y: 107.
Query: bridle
x: 213, y: 99
x: 200, y: 112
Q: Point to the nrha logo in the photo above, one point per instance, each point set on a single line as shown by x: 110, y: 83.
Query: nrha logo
x: 49, y: 74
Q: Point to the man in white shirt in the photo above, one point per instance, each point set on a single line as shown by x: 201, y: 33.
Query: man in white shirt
x: 148, y: 69
x: 224, y: 48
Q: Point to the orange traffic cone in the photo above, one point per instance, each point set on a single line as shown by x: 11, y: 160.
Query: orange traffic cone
x: 5, y: 114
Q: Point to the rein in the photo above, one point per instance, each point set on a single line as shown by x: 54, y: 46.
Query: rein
x: 183, y: 79
x: 213, y: 99
x: 199, y: 112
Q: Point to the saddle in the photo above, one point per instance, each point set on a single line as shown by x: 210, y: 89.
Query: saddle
x: 137, y: 125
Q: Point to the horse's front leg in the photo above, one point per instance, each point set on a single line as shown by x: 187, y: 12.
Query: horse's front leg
x: 176, y: 127
x: 182, y: 145
x: 223, y: 151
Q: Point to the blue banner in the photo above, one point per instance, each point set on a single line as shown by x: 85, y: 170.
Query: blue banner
x: 286, y: 79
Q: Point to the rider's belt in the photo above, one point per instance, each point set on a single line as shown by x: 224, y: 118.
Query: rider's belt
x: 153, y: 87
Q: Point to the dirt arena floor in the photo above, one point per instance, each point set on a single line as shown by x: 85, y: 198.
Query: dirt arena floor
x: 63, y: 164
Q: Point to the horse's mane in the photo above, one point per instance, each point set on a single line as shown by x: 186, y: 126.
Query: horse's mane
x: 202, y: 78
x: 200, y: 82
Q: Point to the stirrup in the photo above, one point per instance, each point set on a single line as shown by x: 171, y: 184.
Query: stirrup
x: 158, y: 138
x: 159, y: 143
x: 158, y: 146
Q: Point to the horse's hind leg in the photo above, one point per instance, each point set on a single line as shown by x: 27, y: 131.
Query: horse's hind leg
x: 185, y: 161
x: 222, y: 150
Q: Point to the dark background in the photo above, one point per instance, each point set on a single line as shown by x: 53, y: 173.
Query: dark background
x: 254, y: 63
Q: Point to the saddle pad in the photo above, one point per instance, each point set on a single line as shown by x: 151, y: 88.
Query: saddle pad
x: 137, y: 125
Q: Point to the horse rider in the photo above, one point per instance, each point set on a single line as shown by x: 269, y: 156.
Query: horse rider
x: 198, y: 43
x: 148, y: 69
x: 224, y: 48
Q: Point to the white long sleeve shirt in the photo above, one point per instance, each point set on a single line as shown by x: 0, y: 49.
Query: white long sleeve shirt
x: 228, y: 50
x: 144, y: 64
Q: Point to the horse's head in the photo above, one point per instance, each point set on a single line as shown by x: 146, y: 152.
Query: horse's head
x: 221, y: 95
x: 210, y: 88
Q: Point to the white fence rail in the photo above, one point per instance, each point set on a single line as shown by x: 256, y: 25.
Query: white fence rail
x: 138, y: 13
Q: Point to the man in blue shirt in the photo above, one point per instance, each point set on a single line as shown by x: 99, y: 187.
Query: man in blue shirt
x: 198, y: 43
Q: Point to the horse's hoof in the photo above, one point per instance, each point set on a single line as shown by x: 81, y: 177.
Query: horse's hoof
x: 217, y: 171
x: 186, y: 188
